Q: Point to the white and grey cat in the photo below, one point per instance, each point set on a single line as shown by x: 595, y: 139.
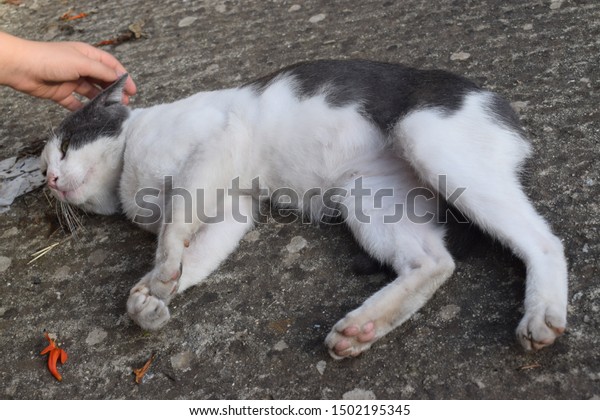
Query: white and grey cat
x: 374, y: 133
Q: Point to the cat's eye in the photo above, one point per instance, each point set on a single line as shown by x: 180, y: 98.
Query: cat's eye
x: 64, y: 146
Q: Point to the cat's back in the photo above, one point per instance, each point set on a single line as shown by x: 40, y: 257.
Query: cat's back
x: 384, y: 91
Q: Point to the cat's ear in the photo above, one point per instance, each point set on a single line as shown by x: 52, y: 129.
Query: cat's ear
x: 114, y: 93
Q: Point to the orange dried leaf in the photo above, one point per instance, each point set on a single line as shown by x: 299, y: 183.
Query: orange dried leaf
x: 69, y: 16
x: 139, y: 373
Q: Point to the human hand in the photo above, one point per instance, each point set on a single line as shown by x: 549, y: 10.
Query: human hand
x: 57, y: 70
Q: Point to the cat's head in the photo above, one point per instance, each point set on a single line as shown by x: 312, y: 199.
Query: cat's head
x: 83, y: 159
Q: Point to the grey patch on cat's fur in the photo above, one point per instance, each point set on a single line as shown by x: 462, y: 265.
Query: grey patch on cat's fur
x: 102, y: 116
x: 385, y: 91
x: 504, y: 114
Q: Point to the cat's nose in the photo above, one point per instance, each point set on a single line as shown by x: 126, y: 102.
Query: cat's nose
x: 51, y: 180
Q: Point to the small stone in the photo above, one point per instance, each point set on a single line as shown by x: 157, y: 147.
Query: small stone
x: 359, y: 394
x: 221, y: 8
x: 460, y: 56
x: 62, y: 272
x: 182, y: 361
x: 187, y: 21
x: 528, y: 27
x: 13, y: 231
x: 97, y: 257
x: 252, y: 236
x: 317, y: 18
x: 5, y: 263
x: 96, y: 336
x: 212, y: 69
x: 294, y: 8
x: 584, y: 80
x: 321, y: 365
x: 280, y: 346
x: 585, y: 248
x: 519, y: 106
x: 556, y: 4
x: 296, y: 244
x: 449, y: 311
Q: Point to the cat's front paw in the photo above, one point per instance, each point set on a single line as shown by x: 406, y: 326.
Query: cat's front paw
x: 350, y: 337
x: 162, y: 282
x: 148, y: 311
x: 541, y: 326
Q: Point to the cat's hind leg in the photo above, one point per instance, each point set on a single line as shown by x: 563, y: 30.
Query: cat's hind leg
x: 479, y: 151
x: 208, y: 246
x: 416, y: 251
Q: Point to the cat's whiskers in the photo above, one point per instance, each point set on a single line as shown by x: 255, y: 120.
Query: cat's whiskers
x: 68, y: 217
x: 71, y: 217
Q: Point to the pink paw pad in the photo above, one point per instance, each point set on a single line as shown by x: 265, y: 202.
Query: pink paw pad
x: 364, y: 334
x: 354, y: 340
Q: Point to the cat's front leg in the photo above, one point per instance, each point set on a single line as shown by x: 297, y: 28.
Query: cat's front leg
x: 148, y: 299
x: 185, y: 258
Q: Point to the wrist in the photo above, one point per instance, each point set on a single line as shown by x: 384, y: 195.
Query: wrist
x: 11, y: 49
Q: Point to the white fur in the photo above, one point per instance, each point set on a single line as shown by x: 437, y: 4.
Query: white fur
x: 208, y: 140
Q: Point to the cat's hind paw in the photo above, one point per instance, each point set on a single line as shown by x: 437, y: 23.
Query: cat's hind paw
x: 349, y: 340
x: 146, y: 310
x: 540, y: 328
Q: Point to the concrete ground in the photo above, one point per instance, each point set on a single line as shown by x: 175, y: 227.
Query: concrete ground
x: 255, y: 329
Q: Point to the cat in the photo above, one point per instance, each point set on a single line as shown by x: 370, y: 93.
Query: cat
x: 351, y: 139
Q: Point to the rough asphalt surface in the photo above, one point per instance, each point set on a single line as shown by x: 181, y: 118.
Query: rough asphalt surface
x: 255, y: 329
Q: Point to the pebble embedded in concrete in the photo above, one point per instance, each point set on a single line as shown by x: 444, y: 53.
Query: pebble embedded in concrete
x: 182, y: 361
x: 321, y: 365
x: 317, y: 18
x: 460, y: 56
x: 449, y: 311
x: 97, y: 257
x: 96, y: 336
x: 5, y: 263
x: 296, y: 244
x: 359, y: 394
x: 280, y: 346
x: 556, y: 4
x: 252, y: 236
x: 187, y: 21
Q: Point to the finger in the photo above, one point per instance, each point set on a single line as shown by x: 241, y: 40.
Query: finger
x: 71, y: 103
x: 105, y: 67
x: 130, y: 87
x: 104, y: 85
x: 87, y: 89
x: 128, y: 90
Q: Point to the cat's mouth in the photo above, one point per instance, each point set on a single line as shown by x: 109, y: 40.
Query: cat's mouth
x: 69, y: 196
x: 71, y: 192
